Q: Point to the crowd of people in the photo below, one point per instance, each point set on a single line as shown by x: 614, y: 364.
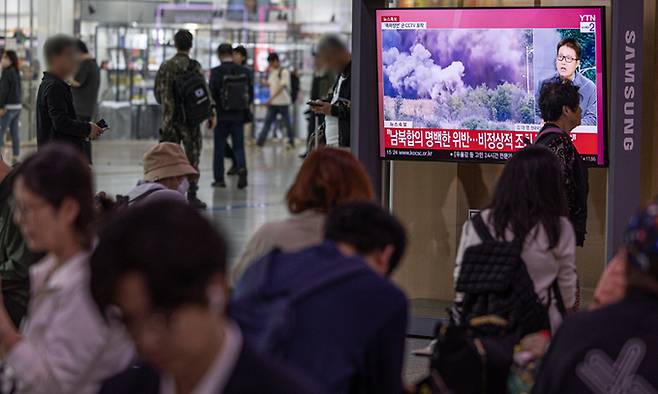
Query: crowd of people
x: 134, y: 294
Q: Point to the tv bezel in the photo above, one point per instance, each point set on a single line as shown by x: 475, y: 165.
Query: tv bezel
x: 604, y: 73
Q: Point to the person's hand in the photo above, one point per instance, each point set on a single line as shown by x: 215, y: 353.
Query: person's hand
x: 268, y: 102
x: 212, y: 122
x: 536, y: 344
x: 95, y: 131
x: 323, y: 107
x: 3, y: 111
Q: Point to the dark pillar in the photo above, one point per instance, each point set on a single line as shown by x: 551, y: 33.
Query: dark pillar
x: 365, y: 114
x: 625, y: 119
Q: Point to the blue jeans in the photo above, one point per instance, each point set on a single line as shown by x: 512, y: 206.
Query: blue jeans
x: 222, y: 131
x: 10, y: 120
x: 270, y: 117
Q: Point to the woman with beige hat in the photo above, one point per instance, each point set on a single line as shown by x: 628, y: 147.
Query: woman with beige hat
x: 166, y: 175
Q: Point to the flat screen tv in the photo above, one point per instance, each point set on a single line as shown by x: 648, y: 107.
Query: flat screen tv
x: 463, y: 84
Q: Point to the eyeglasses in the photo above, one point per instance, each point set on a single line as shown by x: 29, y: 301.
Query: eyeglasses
x: 567, y: 59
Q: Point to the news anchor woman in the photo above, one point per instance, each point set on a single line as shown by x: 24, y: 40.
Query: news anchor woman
x: 567, y: 62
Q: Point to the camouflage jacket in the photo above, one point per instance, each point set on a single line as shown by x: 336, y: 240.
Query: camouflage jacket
x: 164, y: 85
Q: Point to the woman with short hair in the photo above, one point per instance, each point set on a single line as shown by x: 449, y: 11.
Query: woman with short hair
x: 327, y: 178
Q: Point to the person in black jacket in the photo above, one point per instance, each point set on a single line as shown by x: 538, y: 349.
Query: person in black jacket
x: 559, y: 106
x: 56, y: 115
x: 230, y: 121
x: 613, y: 348
x: 334, y: 53
x: 175, y: 312
x: 10, y: 101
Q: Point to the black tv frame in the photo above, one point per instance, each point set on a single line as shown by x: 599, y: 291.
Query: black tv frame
x: 604, y: 73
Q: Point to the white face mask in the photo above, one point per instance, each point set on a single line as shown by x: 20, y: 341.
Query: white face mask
x: 183, y: 186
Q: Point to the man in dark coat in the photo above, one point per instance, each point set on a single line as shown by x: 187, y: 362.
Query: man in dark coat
x: 56, y: 116
x: 230, y: 121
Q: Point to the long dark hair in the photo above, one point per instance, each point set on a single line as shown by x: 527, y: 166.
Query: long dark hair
x: 13, y: 58
x: 530, y: 192
x: 57, y: 172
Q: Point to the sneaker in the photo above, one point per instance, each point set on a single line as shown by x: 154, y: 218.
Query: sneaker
x: 233, y: 171
x: 195, y: 202
x: 242, y: 179
x: 290, y: 146
x: 218, y: 183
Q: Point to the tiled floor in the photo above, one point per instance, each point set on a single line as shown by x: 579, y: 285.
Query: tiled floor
x: 238, y: 213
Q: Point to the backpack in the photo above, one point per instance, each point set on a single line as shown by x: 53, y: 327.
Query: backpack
x: 235, y: 92
x: 495, y: 281
x: 465, y: 362
x: 294, y: 84
x: 267, y: 318
x: 191, y: 97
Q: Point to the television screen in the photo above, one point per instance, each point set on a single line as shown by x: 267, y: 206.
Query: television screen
x: 463, y: 84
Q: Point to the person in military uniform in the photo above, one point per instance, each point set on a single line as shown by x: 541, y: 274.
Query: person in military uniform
x: 173, y: 128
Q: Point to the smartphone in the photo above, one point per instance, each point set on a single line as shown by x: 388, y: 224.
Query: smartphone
x: 102, y: 124
x: 314, y: 103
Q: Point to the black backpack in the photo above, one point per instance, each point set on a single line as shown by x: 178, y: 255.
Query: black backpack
x: 235, y: 92
x: 495, y: 282
x: 294, y: 84
x: 191, y: 96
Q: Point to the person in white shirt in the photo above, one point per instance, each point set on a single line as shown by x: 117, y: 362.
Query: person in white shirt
x: 64, y: 344
x: 529, y: 205
x: 279, y: 101
x: 172, y: 295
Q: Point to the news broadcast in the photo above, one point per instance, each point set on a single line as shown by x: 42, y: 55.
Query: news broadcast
x: 463, y: 84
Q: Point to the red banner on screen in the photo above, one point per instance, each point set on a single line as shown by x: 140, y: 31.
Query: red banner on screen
x: 475, y: 140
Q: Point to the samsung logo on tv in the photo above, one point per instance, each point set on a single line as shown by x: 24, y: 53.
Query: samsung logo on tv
x: 629, y: 90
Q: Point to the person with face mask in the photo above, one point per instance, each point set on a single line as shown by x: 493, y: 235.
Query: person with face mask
x: 567, y: 62
x: 167, y: 175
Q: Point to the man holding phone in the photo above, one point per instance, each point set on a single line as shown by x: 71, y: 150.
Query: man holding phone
x: 56, y: 116
x: 334, y: 53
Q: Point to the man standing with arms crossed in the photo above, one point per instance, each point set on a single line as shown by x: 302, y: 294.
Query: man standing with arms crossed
x: 180, y: 114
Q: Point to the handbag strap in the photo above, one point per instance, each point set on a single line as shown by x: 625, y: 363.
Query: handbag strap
x: 481, y: 228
